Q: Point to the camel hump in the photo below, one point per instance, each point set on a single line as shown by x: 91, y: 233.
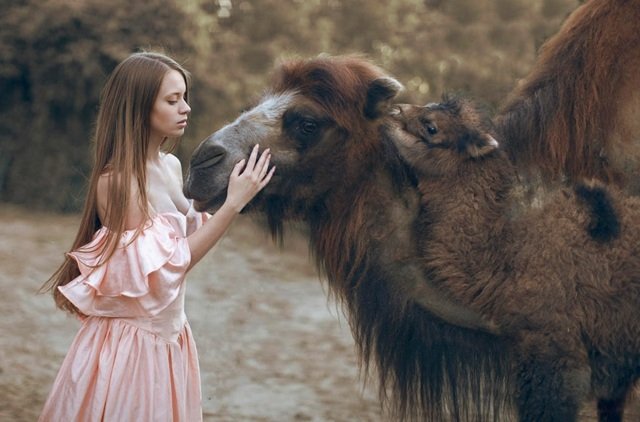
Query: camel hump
x: 604, y: 225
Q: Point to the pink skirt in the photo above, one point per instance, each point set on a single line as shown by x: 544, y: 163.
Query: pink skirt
x: 115, y: 371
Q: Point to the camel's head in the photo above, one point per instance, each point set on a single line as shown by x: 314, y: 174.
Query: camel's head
x: 320, y: 118
x: 434, y: 139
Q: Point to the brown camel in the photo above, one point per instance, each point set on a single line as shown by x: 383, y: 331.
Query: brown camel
x: 577, y: 114
x: 562, y: 281
x: 322, y: 120
x: 338, y: 174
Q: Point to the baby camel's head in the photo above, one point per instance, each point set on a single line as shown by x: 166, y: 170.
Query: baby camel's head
x: 436, y: 138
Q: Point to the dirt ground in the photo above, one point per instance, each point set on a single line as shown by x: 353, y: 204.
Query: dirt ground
x: 271, y: 345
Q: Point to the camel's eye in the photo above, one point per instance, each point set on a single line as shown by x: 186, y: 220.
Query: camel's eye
x: 308, y: 127
x: 432, y: 129
x: 304, y: 126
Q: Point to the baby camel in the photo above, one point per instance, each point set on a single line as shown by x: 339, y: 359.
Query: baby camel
x: 562, y: 280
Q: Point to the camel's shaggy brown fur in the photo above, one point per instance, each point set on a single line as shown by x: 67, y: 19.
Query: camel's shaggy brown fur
x: 322, y: 119
x: 577, y: 113
x: 563, y: 281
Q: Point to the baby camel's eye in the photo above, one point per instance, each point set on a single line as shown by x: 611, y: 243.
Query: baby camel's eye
x: 428, y: 124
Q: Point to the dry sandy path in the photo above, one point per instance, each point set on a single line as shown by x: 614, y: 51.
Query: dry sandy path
x: 272, y: 347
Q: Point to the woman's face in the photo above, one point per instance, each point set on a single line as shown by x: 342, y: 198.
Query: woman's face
x: 170, y: 110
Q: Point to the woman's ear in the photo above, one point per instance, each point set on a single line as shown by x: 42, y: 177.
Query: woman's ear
x: 482, y: 145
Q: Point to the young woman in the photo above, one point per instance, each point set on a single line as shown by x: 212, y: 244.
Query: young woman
x: 134, y: 358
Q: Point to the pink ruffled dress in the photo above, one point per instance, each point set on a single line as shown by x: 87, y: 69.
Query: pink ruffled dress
x: 134, y: 357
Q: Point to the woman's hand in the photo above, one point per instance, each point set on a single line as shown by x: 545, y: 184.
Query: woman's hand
x: 244, y: 183
x: 247, y: 180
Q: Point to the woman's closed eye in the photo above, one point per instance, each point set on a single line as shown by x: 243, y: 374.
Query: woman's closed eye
x: 175, y: 99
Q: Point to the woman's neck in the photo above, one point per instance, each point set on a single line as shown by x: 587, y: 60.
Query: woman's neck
x: 153, y: 153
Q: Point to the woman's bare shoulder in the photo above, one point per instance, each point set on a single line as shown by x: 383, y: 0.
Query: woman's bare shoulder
x: 134, y: 215
x: 102, y: 193
x: 173, y: 163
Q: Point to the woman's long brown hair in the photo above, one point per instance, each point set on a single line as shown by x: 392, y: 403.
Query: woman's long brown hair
x: 121, y: 142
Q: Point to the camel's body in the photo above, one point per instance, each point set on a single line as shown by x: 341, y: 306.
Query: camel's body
x: 335, y: 172
x: 565, y: 296
x: 577, y: 114
x: 322, y: 119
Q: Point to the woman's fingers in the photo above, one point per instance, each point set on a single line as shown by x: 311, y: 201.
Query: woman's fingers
x: 252, y: 159
x: 257, y: 169
x: 238, y: 167
x: 263, y: 164
x: 267, y: 178
x: 249, y: 177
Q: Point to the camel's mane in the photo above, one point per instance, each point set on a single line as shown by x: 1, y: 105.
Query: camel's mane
x: 338, y: 86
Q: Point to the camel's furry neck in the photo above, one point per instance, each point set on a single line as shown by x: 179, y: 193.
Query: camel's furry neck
x: 347, y: 217
x: 340, y: 218
x: 354, y: 233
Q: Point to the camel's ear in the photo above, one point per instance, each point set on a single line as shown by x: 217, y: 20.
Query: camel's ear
x: 482, y: 145
x: 379, y: 96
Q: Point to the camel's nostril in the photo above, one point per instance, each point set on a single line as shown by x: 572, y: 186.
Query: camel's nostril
x: 208, y: 156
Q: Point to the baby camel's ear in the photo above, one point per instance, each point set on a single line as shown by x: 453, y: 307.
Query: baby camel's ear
x: 482, y: 145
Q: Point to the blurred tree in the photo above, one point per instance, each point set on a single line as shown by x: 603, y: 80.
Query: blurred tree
x: 55, y: 58
x: 465, y: 11
x: 55, y: 55
x: 554, y: 8
x: 509, y: 10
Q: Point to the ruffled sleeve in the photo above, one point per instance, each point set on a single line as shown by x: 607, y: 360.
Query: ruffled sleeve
x: 143, y: 276
x: 195, y: 219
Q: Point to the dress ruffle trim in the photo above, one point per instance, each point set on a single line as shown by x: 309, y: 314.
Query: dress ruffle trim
x: 147, y: 269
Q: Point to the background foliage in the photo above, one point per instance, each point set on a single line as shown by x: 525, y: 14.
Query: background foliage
x: 55, y: 56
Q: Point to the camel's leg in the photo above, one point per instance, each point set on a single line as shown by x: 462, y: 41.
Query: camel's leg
x: 550, y: 389
x: 612, y: 409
